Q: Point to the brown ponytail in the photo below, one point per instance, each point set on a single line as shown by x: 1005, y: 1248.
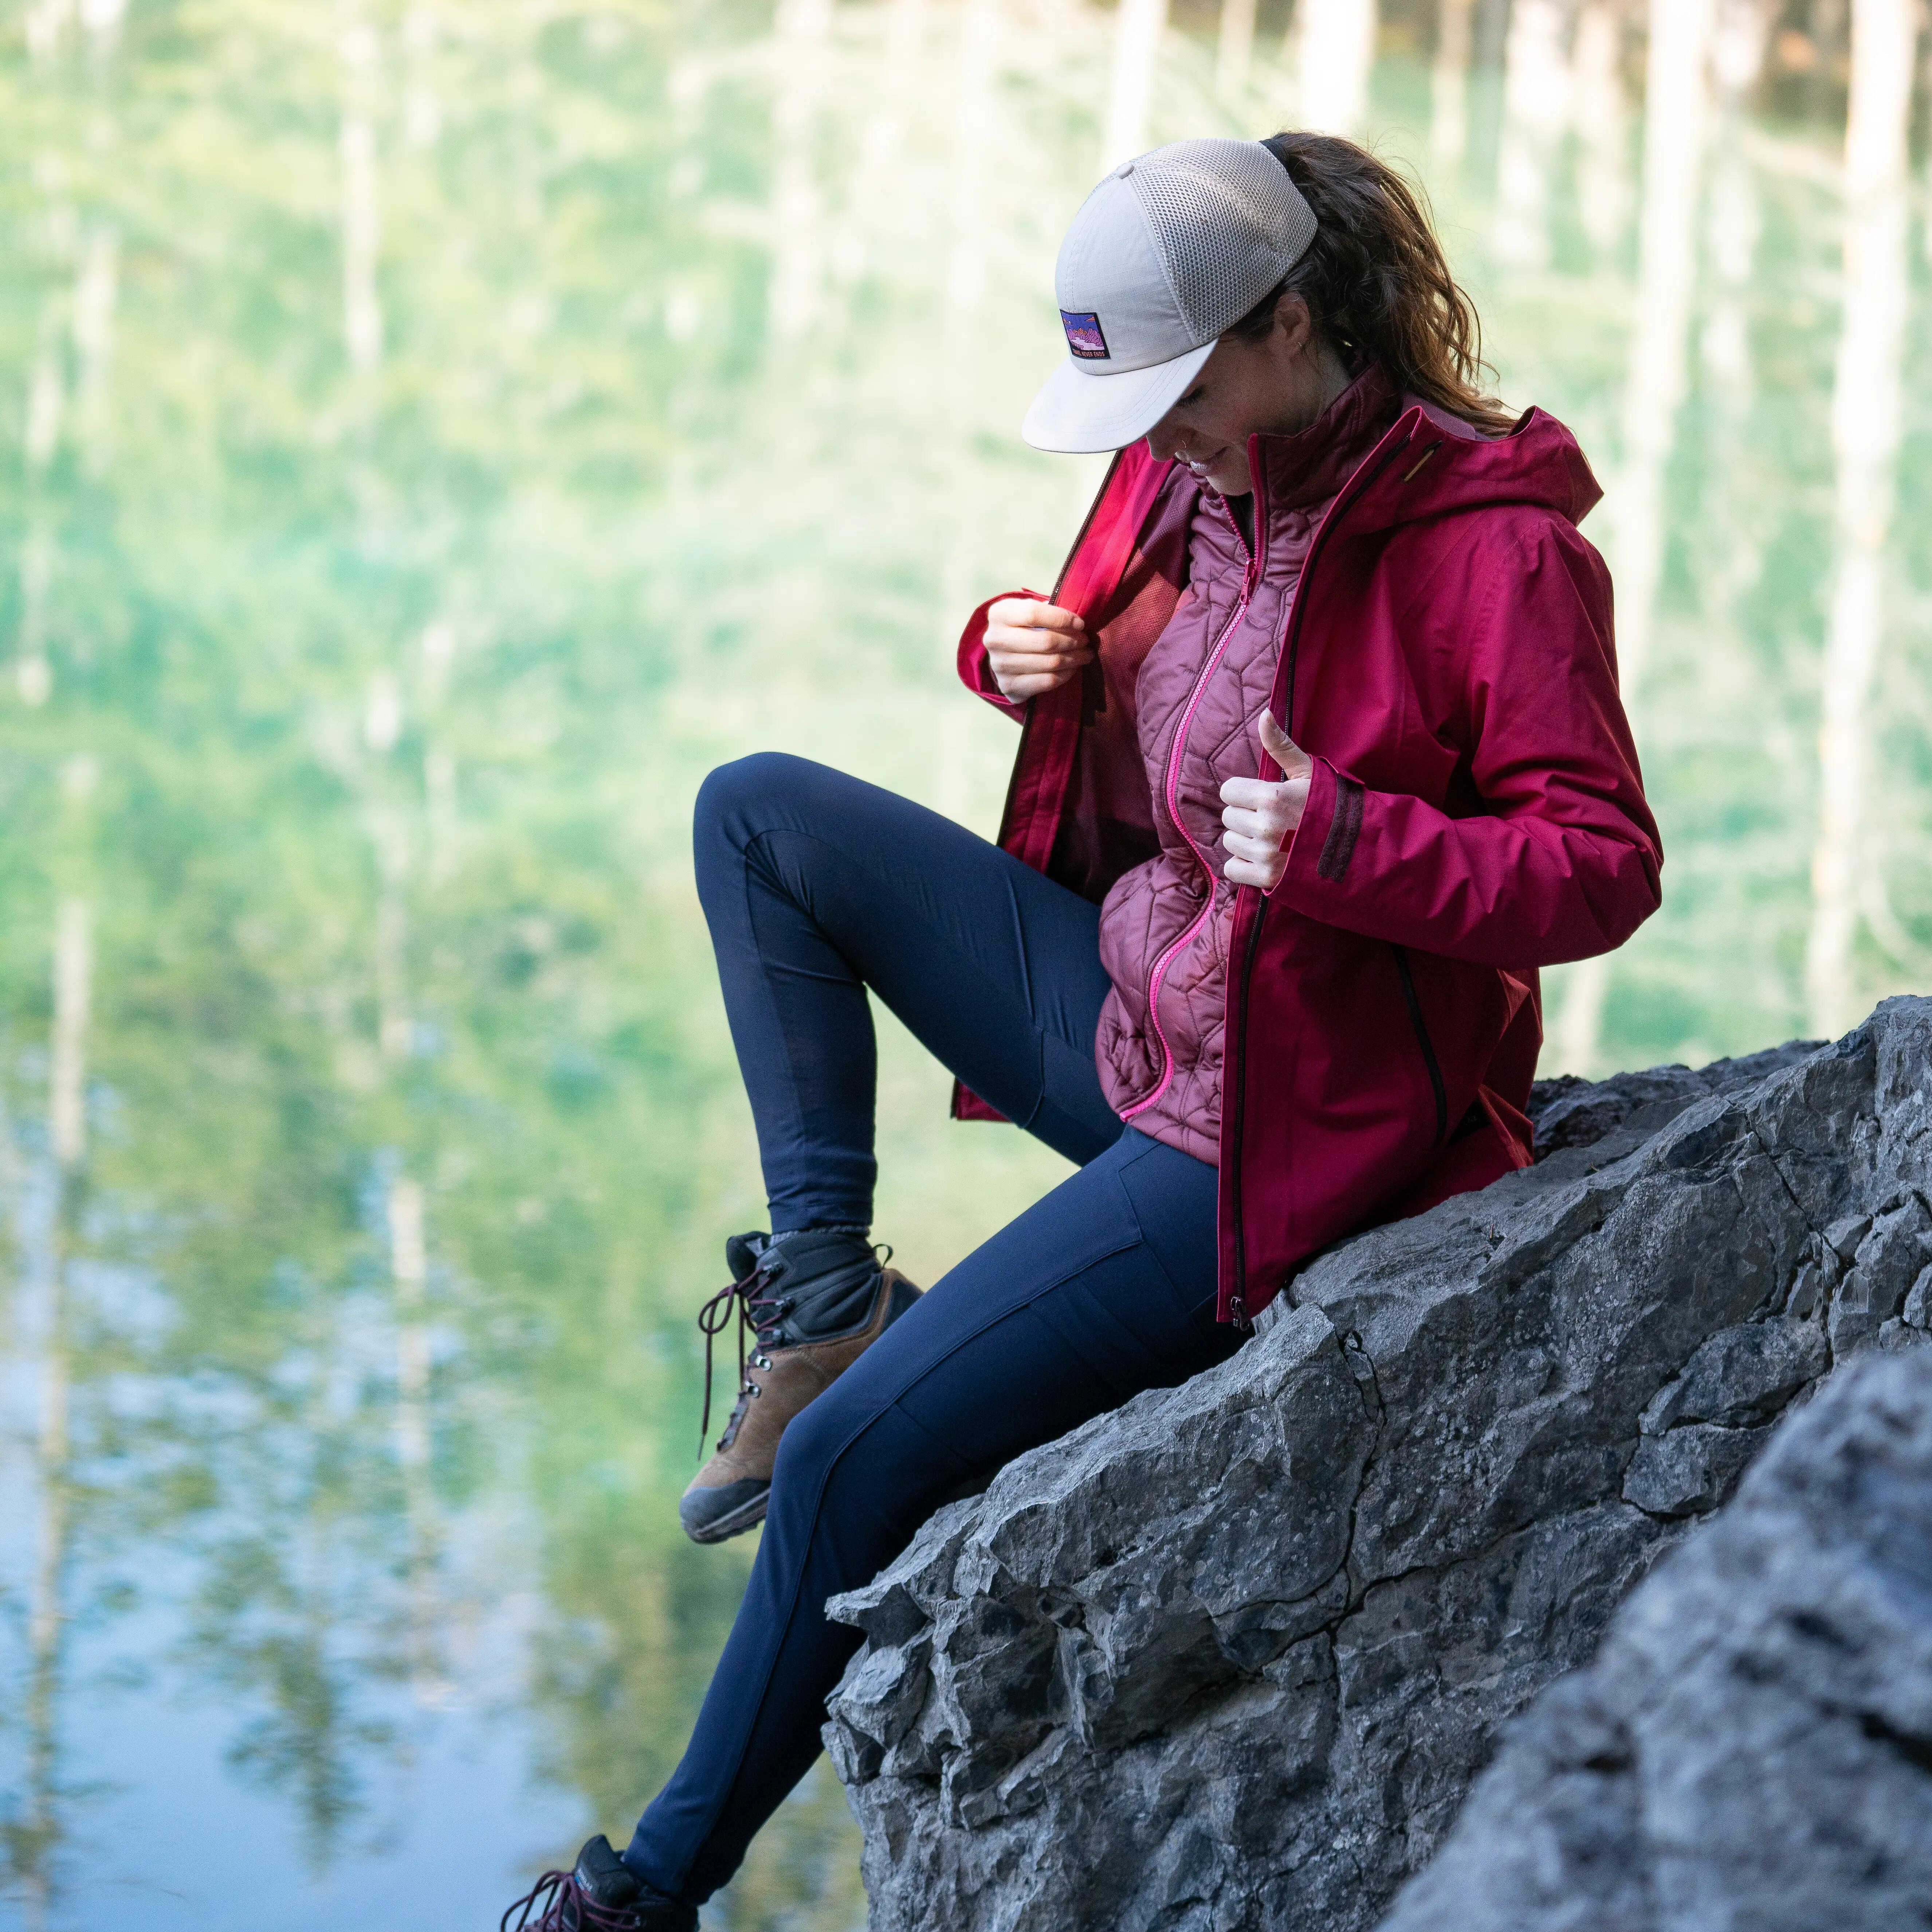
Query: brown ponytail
x: 1376, y: 283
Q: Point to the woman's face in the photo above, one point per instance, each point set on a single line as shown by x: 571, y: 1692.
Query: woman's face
x: 1273, y: 387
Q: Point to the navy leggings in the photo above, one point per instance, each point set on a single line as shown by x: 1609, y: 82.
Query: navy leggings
x: 817, y: 887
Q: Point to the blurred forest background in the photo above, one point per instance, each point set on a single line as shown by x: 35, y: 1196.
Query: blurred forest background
x: 433, y: 435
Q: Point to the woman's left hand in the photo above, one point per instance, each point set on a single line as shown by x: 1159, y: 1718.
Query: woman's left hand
x: 1259, y: 816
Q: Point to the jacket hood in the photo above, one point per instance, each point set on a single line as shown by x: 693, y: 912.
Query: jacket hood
x: 1538, y: 464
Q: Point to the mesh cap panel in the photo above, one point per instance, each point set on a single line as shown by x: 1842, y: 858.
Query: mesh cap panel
x: 1228, y: 224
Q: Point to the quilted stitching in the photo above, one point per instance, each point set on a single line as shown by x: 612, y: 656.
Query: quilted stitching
x: 1154, y: 904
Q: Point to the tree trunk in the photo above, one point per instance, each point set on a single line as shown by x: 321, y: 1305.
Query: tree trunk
x: 1675, y: 97
x: 801, y: 32
x: 361, y: 210
x: 975, y: 140
x: 1536, y: 115
x: 1449, y: 84
x: 1233, y: 53
x: 1866, y: 404
x: 1137, y: 29
x: 1337, y: 50
x: 1601, y: 117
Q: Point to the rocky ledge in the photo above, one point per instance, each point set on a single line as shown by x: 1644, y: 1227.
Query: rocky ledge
x: 1752, y: 1746
x: 1231, y: 1657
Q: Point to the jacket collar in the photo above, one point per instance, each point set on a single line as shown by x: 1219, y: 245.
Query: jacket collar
x: 1447, y: 466
x: 1311, y: 465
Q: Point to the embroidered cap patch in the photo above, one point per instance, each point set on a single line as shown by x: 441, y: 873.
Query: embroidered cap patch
x: 1084, y: 336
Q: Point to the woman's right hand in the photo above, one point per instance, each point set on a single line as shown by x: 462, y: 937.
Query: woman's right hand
x: 1032, y: 647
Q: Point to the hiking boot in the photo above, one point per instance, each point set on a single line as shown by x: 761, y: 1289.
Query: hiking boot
x: 602, y: 1894
x: 813, y: 1301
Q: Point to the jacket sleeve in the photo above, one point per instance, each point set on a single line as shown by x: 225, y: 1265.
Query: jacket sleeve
x: 1561, y: 861
x: 975, y: 673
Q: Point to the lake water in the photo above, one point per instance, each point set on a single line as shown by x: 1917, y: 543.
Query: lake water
x: 430, y: 438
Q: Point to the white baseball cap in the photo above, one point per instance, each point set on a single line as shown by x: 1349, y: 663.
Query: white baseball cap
x: 1171, y: 250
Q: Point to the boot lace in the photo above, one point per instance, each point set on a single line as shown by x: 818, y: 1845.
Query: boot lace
x: 567, y: 1907
x: 736, y: 1303
x: 733, y: 1306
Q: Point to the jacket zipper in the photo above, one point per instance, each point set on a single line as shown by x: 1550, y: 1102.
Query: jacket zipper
x: 1423, y: 1040
x: 1337, y: 511
x: 1170, y: 790
x: 1236, y: 1058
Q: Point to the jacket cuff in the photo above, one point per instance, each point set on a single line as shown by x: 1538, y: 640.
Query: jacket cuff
x: 975, y: 673
x: 1322, y: 847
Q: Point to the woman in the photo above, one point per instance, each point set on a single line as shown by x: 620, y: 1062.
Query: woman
x: 1321, y: 758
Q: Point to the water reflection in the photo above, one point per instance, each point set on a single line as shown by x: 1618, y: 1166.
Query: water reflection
x: 441, y: 433
x: 34, y: 1839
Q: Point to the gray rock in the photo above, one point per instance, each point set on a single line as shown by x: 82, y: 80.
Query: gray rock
x: 1741, y: 1375
x: 1843, y: 1236
x: 1917, y: 1310
x: 1231, y: 1657
x: 1888, y: 1260
x: 1752, y: 1746
x: 1689, y: 1470
x: 1567, y: 1112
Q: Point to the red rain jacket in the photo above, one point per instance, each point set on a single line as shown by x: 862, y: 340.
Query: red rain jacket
x: 1476, y: 812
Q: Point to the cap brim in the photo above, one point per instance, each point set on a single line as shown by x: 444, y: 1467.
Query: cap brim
x: 1079, y: 411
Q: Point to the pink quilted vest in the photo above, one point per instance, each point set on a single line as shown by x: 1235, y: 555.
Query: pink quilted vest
x: 1164, y: 926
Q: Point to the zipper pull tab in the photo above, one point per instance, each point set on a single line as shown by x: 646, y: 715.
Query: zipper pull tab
x: 1239, y: 1310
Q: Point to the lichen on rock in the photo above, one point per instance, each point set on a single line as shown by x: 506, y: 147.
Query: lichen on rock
x: 1232, y: 1656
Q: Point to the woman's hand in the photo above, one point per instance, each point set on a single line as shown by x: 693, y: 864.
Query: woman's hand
x: 1034, y: 647
x: 1259, y: 816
